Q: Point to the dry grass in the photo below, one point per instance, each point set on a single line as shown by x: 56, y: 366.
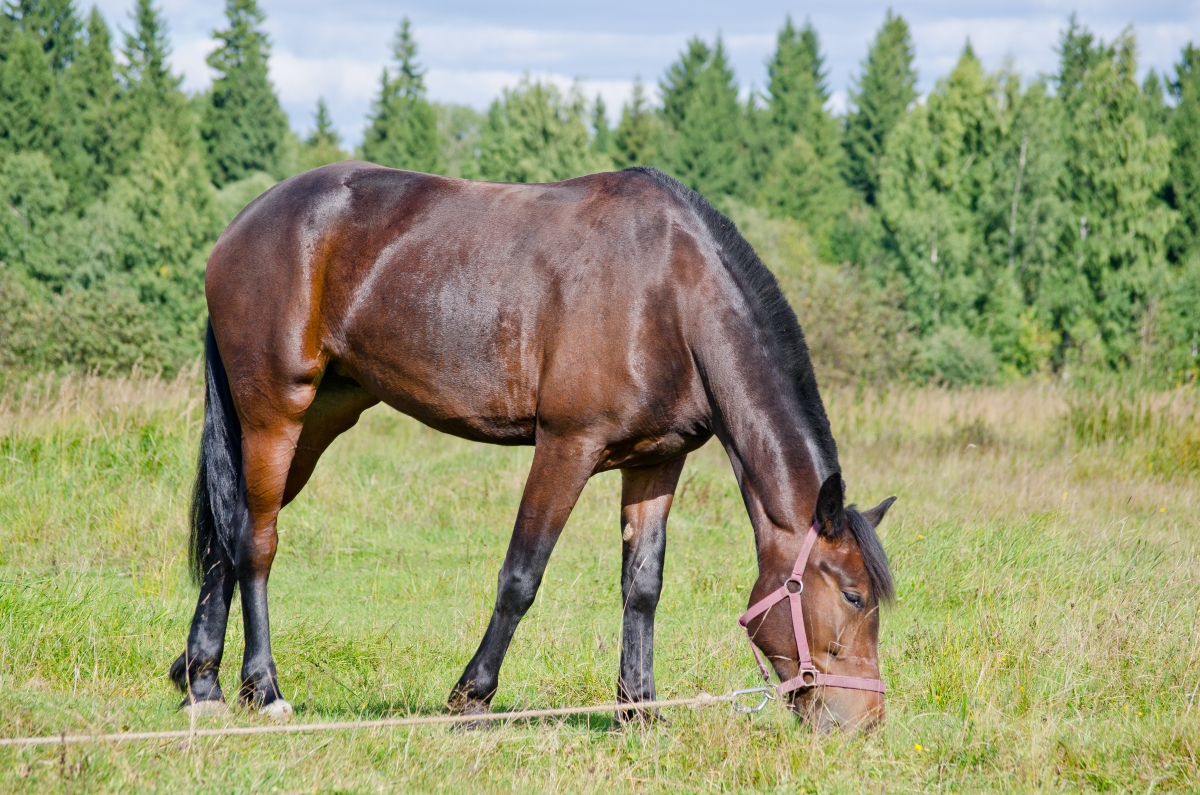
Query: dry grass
x: 1044, y: 638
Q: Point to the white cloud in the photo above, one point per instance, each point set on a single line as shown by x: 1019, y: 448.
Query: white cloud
x: 474, y: 49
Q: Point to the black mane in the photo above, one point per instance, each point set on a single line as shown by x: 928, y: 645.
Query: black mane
x: 774, y: 315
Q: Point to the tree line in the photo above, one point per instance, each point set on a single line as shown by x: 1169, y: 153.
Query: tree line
x: 1002, y: 226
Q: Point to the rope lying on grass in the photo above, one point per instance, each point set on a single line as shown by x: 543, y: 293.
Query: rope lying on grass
x: 702, y: 700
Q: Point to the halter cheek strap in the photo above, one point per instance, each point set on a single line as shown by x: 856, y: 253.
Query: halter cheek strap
x: 808, y: 676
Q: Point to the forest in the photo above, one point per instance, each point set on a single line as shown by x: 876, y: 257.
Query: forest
x: 1004, y: 226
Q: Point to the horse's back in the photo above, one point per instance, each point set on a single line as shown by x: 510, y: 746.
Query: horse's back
x: 480, y: 308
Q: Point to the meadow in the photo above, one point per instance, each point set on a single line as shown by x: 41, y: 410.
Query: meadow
x: 1045, y: 635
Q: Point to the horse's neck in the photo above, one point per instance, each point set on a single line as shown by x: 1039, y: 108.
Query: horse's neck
x: 774, y: 455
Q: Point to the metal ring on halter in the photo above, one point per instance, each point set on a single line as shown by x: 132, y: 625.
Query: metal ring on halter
x: 768, y: 693
x: 798, y: 582
x: 808, y: 676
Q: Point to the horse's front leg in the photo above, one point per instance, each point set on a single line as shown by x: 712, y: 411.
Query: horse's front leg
x: 561, y: 468
x: 646, y: 496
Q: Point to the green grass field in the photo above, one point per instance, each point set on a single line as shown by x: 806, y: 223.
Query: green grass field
x: 1046, y: 635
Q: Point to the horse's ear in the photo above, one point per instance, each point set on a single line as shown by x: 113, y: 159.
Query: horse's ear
x: 875, y: 515
x: 831, y: 503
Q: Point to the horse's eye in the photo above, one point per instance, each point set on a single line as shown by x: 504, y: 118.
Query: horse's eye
x: 855, y: 600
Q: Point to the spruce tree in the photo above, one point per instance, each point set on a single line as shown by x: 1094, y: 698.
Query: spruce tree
x: 324, y: 145
x: 700, y: 101
x: 54, y: 23
x: 94, y: 88
x: 797, y: 87
x: 679, y: 83
x: 403, y: 124
x: 638, y: 140
x: 323, y: 131
x: 802, y: 179
x: 1115, y: 238
x: 243, y: 128
x: 933, y: 173
x: 38, y: 43
x: 1183, y: 187
x: 29, y: 111
x: 601, y: 132
x: 1152, y: 104
x: 150, y: 95
x: 879, y: 100
x: 1078, y: 52
x: 534, y: 133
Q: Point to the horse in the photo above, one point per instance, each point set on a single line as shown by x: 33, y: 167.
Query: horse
x: 613, y: 321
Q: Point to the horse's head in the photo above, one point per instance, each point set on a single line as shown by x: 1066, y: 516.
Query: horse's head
x: 845, y: 581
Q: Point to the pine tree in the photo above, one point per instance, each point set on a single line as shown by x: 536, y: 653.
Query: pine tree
x: 638, y: 140
x: 535, y: 134
x: 403, y: 125
x: 879, y: 100
x: 150, y: 94
x: 1183, y: 187
x: 708, y: 147
x: 243, y: 129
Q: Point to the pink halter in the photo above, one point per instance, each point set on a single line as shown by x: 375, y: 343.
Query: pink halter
x: 808, y: 675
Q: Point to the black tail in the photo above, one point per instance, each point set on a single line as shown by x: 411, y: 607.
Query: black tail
x: 219, y: 497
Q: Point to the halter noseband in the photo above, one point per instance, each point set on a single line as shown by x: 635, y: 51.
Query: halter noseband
x: 808, y: 676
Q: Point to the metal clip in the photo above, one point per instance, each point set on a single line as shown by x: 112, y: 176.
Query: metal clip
x: 768, y: 693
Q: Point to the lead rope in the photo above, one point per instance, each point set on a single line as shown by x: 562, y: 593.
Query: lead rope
x: 735, y: 697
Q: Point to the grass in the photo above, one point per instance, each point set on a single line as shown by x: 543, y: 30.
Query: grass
x: 1045, y: 637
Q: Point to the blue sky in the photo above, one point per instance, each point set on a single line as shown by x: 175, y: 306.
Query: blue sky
x: 473, y: 49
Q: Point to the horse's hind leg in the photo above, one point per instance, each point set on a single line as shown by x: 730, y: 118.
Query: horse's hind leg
x: 268, y: 449
x: 195, y: 671
x: 280, y: 457
x: 561, y: 468
x: 646, y: 496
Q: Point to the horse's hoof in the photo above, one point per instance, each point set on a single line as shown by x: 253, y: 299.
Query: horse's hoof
x: 278, y: 710
x: 472, y: 706
x: 631, y: 715
x: 202, y: 709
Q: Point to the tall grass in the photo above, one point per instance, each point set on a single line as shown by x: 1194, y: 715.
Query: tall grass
x: 1044, y: 637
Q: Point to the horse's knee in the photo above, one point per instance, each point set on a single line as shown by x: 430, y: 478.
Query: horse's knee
x: 516, y: 592
x: 643, y: 592
x: 642, y: 582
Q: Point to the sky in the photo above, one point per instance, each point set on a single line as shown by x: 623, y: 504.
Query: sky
x: 472, y: 50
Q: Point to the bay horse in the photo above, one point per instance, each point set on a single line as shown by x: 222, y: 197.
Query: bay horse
x: 614, y: 321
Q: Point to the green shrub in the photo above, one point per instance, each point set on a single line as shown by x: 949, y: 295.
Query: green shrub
x: 952, y: 356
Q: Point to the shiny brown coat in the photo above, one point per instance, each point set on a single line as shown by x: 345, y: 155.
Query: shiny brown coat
x: 614, y: 321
